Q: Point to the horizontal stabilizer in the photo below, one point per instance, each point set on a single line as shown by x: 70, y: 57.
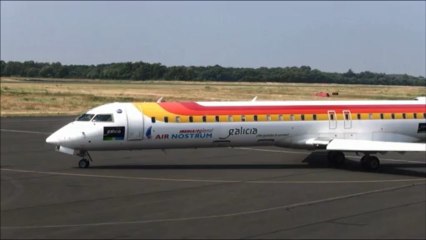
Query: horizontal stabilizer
x: 374, y: 146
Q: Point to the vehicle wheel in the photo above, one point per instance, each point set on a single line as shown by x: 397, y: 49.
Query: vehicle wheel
x: 83, y: 163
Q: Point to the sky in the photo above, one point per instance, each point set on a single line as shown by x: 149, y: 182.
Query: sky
x: 384, y: 36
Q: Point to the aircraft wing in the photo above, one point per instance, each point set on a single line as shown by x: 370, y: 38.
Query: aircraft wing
x: 367, y: 145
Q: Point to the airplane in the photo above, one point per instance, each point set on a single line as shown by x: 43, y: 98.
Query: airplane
x: 363, y: 126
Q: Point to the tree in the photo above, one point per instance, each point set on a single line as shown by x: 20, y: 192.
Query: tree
x: 143, y: 71
x: 46, y: 71
x: 349, y: 74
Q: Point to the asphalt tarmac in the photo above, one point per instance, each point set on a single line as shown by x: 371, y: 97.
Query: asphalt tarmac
x: 261, y: 192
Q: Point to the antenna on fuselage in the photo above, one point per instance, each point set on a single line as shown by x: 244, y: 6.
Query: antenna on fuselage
x: 254, y: 99
x: 160, y: 99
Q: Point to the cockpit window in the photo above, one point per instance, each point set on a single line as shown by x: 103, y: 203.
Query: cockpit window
x: 85, y: 117
x: 103, y: 118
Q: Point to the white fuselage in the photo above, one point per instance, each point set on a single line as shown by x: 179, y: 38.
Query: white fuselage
x: 218, y: 124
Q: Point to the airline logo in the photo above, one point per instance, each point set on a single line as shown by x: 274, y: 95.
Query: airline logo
x: 113, y: 133
x: 240, y: 131
x: 148, y: 133
x: 188, y: 134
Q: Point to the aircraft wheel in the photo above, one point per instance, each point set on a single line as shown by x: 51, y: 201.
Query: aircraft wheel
x: 336, y: 159
x: 371, y: 163
x: 83, y: 163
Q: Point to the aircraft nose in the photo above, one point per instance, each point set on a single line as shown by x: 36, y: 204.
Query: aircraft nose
x: 52, y: 139
x: 68, y: 136
x: 58, y: 137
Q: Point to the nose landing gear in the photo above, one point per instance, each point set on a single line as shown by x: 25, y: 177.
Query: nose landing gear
x: 84, y: 163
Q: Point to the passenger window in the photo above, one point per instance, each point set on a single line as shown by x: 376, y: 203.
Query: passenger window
x: 166, y: 119
x: 424, y: 115
x: 268, y: 117
x: 415, y: 115
x: 314, y: 117
x: 243, y: 118
x: 217, y: 118
x: 103, y: 118
x: 370, y: 116
x: 302, y: 117
x: 230, y: 119
x: 280, y: 117
x: 358, y: 116
x: 153, y: 119
x: 346, y: 116
x: 292, y: 117
x: 85, y: 117
x: 204, y: 119
x: 404, y: 116
x: 255, y: 118
x: 381, y: 116
x: 393, y: 115
x: 191, y: 119
x: 177, y: 118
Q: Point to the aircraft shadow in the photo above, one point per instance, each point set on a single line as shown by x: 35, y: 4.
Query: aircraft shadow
x: 405, y: 169
x: 314, y: 160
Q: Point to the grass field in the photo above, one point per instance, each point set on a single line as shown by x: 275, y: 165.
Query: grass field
x: 41, y: 97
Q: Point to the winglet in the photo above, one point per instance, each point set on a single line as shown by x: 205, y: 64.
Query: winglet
x: 160, y: 99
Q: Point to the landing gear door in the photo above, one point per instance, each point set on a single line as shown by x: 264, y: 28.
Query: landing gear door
x: 134, y: 123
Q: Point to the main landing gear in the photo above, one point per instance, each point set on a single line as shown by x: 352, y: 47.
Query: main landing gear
x: 84, y: 163
x: 371, y: 163
x: 337, y: 159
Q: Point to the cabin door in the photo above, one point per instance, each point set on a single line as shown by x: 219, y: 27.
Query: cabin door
x: 332, y: 119
x: 347, y: 119
x: 134, y: 124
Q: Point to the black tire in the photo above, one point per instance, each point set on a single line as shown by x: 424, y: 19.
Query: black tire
x: 83, y: 163
x: 374, y: 163
x: 364, y: 162
x: 370, y: 163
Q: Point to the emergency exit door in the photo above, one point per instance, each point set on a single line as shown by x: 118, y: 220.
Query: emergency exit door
x: 332, y: 119
x: 347, y: 119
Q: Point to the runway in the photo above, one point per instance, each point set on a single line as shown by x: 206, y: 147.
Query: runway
x: 261, y: 192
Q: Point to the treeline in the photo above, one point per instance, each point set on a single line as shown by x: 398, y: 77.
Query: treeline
x: 155, y: 71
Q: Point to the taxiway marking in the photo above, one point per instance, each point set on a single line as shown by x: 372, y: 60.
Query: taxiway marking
x: 22, y: 131
x: 212, y: 180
